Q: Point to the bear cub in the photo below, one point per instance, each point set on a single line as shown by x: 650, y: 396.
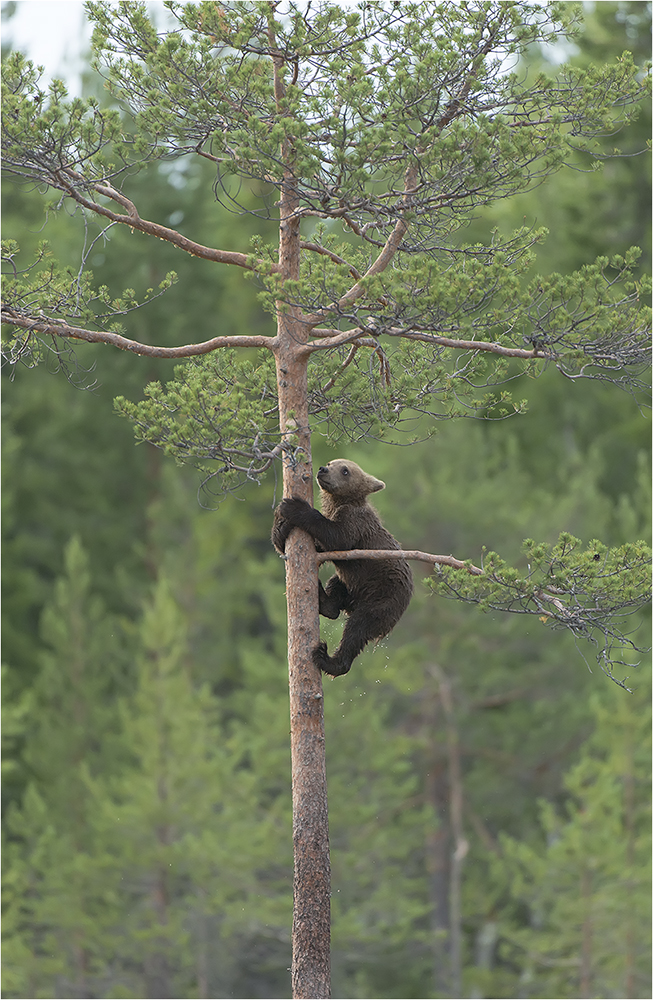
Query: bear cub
x: 373, y: 593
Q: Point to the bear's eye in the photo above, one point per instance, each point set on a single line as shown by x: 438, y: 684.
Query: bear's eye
x: 345, y: 471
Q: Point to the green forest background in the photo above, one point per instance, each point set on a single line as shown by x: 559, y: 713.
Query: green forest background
x: 147, y: 839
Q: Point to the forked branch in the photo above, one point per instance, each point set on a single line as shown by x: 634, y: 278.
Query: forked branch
x: 66, y: 179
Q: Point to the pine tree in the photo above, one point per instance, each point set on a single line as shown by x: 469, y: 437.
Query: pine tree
x: 399, y: 126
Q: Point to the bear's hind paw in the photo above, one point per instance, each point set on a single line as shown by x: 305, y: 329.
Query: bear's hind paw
x: 327, y: 663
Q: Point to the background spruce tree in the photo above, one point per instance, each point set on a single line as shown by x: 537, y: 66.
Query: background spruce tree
x: 581, y: 885
x: 54, y: 912
x: 623, y: 512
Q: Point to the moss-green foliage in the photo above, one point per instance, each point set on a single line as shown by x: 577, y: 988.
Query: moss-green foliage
x: 581, y: 201
x: 213, y: 78
x: 118, y: 827
x: 221, y: 409
x: 46, y: 287
x: 591, y: 590
x: 72, y: 134
x: 224, y: 406
x: 351, y: 126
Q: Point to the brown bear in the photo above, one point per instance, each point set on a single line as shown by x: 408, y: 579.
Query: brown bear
x: 373, y: 593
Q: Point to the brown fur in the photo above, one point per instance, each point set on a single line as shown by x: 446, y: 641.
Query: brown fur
x: 373, y: 593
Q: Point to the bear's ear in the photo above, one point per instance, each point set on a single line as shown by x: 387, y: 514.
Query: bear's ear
x: 374, y: 485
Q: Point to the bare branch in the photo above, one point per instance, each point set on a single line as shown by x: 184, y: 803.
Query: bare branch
x: 336, y: 338
x: 469, y: 345
x: 134, y: 221
x: 348, y: 360
x: 326, y: 331
x: 398, y: 554
x: 344, y: 337
x: 149, y: 350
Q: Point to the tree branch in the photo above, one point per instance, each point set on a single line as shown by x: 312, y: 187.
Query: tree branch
x: 335, y: 338
x: 398, y: 554
x: 134, y: 221
x: 348, y: 360
x: 588, y: 593
x: 149, y: 350
x: 336, y: 258
x: 344, y: 337
x: 385, y: 257
x: 470, y: 345
x: 401, y: 227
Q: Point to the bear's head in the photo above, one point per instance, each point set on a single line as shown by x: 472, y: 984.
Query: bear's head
x: 346, y: 482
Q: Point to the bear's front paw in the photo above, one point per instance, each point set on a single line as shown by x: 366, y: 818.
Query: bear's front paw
x: 294, y: 509
x: 280, y: 532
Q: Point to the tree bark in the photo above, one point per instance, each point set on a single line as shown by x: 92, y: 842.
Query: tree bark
x: 312, y: 868
x: 312, y: 875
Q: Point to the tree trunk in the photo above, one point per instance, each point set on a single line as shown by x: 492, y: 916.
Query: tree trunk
x: 437, y: 841
x: 629, y: 823
x: 312, y: 875
x: 586, y: 935
x: 312, y: 878
x: 460, y: 844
